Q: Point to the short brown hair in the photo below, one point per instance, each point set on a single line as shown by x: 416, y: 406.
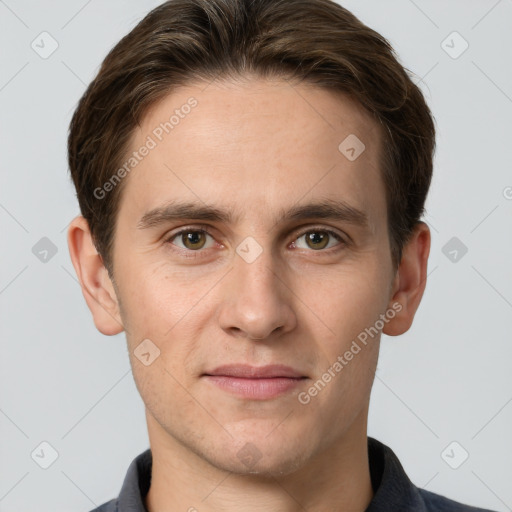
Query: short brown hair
x: 316, y: 41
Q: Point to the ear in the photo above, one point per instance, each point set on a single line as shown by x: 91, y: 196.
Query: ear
x: 410, y: 281
x: 97, y: 287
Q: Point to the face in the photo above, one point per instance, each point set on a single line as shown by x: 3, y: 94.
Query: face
x: 247, y: 237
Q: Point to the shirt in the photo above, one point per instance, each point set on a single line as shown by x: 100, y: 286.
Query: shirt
x: 393, y: 491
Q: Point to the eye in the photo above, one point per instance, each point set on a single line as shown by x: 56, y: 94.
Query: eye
x: 195, y: 239
x: 191, y: 239
x: 318, y: 239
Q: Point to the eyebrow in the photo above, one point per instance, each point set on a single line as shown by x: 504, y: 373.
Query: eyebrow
x: 326, y: 210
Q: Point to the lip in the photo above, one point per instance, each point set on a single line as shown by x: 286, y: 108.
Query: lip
x: 246, y: 371
x: 253, y: 382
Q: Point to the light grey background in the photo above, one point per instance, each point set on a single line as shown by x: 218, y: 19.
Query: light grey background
x: 447, y: 379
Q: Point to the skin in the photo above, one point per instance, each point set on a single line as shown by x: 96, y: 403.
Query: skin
x: 255, y: 147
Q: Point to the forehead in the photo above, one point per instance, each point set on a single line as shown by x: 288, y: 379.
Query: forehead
x: 255, y: 146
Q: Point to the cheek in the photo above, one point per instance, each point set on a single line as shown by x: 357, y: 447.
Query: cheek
x: 348, y: 339
x: 349, y: 300
x: 157, y: 299
x: 165, y: 394
x: 169, y: 308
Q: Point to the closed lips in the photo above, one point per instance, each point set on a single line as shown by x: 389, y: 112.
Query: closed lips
x: 244, y: 371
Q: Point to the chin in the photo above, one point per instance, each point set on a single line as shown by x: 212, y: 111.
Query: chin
x: 265, y: 468
x: 264, y: 458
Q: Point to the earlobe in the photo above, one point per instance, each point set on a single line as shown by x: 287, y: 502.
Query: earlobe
x: 97, y: 287
x: 410, y: 281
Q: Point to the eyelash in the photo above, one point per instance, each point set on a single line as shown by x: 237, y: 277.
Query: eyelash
x: 204, y: 229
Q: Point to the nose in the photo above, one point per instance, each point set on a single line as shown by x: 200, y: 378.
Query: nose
x: 256, y: 300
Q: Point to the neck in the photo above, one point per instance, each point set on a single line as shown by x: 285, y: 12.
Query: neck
x: 336, y: 479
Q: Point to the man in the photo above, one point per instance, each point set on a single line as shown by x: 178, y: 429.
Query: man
x: 251, y: 176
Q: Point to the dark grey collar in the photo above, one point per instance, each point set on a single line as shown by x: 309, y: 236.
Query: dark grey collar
x: 394, y: 492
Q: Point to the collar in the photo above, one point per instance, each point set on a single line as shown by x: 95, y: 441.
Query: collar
x: 393, y: 490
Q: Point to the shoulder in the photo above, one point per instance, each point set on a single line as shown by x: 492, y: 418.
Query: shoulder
x: 437, y: 503
x: 393, y: 489
x: 109, y: 506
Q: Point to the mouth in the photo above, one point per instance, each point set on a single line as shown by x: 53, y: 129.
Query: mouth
x: 256, y: 383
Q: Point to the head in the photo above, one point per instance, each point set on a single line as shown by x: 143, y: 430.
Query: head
x: 251, y: 177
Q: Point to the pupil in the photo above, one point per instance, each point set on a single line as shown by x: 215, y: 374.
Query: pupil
x: 193, y: 238
x: 315, y: 238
